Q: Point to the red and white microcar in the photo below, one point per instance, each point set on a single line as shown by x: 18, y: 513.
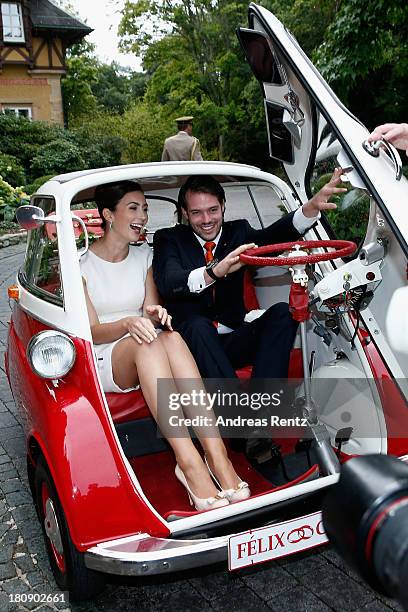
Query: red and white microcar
x: 102, y: 481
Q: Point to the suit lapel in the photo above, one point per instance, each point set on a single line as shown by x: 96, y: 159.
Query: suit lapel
x: 222, y: 246
x: 194, y: 249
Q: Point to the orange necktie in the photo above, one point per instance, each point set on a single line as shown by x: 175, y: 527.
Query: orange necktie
x: 209, y: 256
x: 209, y: 247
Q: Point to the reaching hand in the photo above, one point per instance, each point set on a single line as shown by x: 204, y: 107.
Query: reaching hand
x: 320, y: 199
x: 231, y: 263
x: 160, y: 314
x: 395, y: 133
x: 141, y: 329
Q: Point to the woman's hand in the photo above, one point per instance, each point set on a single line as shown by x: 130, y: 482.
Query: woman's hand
x: 159, y: 314
x: 141, y: 329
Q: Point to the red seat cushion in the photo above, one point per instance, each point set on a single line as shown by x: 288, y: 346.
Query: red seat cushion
x: 127, y: 406
x: 92, y: 220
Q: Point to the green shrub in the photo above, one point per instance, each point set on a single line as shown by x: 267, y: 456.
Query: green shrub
x: 349, y: 221
x: 10, y: 199
x: 6, y: 190
x: 103, y: 152
x: 101, y: 140
x: 32, y: 143
x: 24, y: 138
x: 58, y: 156
x: 11, y: 170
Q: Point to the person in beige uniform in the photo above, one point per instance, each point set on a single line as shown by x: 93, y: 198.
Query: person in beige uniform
x: 183, y: 146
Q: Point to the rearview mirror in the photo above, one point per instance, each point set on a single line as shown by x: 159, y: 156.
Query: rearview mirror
x: 31, y: 217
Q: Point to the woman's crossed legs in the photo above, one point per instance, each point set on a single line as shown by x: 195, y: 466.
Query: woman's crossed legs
x: 168, y: 357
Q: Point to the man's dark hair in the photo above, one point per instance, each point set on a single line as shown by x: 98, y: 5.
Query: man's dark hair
x: 108, y: 196
x: 200, y: 183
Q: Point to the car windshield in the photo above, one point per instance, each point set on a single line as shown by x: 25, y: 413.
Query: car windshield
x: 41, y: 272
x: 350, y: 220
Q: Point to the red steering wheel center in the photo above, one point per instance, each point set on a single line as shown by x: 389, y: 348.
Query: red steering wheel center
x: 255, y: 256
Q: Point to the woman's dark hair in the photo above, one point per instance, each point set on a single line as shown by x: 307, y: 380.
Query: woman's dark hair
x: 108, y: 196
x: 200, y: 184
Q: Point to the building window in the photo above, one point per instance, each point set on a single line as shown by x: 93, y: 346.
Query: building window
x: 13, y: 30
x: 19, y: 111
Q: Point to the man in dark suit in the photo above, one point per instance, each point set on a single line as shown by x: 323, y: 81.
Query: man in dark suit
x: 197, y: 270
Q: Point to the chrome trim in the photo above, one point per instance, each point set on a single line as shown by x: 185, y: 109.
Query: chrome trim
x: 174, y: 555
x: 41, y: 336
x: 81, y: 222
x: 373, y: 149
x: 253, y: 503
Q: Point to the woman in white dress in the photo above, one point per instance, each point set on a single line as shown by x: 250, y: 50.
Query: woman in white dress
x: 124, y: 313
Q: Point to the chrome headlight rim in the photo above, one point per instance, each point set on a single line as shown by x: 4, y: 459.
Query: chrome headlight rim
x: 40, y: 337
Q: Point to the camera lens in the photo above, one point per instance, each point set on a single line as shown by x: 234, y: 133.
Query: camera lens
x: 366, y: 518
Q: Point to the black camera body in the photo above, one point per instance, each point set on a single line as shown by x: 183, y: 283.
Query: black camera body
x: 366, y: 518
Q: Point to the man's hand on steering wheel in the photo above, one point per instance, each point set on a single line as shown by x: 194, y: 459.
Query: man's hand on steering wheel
x: 231, y: 262
x: 320, y: 199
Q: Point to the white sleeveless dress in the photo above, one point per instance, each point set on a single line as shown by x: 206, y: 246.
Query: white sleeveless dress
x: 116, y: 290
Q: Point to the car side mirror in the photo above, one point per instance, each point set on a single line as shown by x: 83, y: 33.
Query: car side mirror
x: 31, y: 217
x: 397, y: 322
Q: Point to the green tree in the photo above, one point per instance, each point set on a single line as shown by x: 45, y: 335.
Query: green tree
x: 115, y: 88
x: 82, y: 71
x: 191, y: 50
x: 364, y: 56
x: 308, y: 20
x: 192, y: 56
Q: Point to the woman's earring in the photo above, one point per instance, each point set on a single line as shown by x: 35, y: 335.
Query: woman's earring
x: 110, y: 225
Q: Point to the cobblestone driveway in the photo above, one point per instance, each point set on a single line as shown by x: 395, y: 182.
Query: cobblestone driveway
x: 316, y: 581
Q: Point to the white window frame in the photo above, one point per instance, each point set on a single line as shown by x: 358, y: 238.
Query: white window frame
x: 16, y: 108
x: 11, y: 38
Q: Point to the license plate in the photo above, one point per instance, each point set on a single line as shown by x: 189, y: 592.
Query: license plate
x: 275, y: 541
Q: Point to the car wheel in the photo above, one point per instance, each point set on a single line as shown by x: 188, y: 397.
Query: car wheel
x: 67, y: 563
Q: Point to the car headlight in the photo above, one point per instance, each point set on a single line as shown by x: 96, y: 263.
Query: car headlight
x: 51, y: 354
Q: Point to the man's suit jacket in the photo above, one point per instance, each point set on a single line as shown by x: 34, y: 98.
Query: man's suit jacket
x: 177, y: 252
x: 180, y: 147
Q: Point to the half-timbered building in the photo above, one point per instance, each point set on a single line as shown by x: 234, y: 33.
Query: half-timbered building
x: 34, y: 37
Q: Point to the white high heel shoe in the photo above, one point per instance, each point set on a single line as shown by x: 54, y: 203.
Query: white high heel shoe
x: 201, y: 503
x: 233, y: 495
